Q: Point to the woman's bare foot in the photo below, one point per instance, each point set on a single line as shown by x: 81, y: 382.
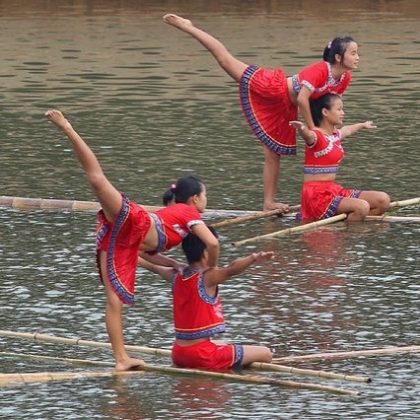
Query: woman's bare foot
x: 274, y: 206
x: 178, y: 21
x: 56, y: 117
x: 128, y: 364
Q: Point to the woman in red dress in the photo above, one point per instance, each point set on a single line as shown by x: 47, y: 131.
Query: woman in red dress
x: 321, y: 196
x: 270, y: 99
x: 126, y: 229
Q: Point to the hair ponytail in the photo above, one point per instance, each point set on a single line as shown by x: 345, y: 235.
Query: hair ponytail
x: 337, y: 46
x: 185, y: 188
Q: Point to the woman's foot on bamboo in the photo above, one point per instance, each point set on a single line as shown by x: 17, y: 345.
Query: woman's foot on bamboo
x: 57, y: 117
x: 128, y: 364
x: 177, y: 21
x: 276, y: 206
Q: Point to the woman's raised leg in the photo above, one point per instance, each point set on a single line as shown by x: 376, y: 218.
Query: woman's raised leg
x: 109, y: 197
x: 226, y: 60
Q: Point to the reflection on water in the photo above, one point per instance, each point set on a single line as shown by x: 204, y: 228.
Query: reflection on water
x: 133, y: 86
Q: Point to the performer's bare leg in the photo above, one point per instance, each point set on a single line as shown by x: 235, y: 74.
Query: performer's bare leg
x: 270, y: 178
x: 226, y: 60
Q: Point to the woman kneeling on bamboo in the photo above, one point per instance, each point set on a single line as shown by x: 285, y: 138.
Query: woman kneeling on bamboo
x: 321, y: 196
x: 197, y: 310
x: 124, y: 229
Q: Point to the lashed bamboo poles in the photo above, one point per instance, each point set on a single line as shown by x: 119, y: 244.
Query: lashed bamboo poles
x: 256, y: 216
x: 167, y: 353
x: 350, y: 354
x: 12, y: 378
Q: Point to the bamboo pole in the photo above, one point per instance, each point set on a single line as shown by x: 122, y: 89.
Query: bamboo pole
x: 25, y: 203
x: 405, y: 203
x: 80, y: 342
x: 12, y: 378
x: 167, y: 353
x: 309, y: 372
x: 330, y: 220
x: 296, y: 229
x: 350, y: 354
x: 386, y: 218
x: 256, y: 216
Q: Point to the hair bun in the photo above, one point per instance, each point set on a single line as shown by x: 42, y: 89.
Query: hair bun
x: 173, y: 187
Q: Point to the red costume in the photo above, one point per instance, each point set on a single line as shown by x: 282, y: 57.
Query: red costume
x: 122, y: 239
x: 320, y: 199
x: 196, y: 316
x: 267, y: 106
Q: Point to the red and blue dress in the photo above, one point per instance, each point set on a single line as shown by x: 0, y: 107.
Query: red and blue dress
x: 267, y: 106
x: 122, y: 239
x: 197, y: 315
x: 320, y: 199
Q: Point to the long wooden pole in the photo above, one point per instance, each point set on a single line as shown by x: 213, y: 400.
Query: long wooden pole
x: 405, y: 203
x: 296, y: 229
x: 12, y: 378
x: 25, y: 203
x: 167, y: 353
x: 256, y: 216
x: 386, y: 218
x: 350, y: 354
x: 330, y: 220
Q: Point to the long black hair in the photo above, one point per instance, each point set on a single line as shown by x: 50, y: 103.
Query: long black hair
x: 185, y: 187
x: 317, y: 105
x: 337, y: 46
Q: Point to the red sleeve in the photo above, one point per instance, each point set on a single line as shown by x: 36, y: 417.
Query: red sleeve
x: 191, y: 216
x: 314, y: 76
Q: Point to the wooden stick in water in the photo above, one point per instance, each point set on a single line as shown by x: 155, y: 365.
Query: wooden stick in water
x: 296, y: 229
x: 405, y: 203
x: 256, y: 216
x: 19, y: 378
x: 167, y: 353
x: 386, y: 218
x: 350, y: 354
x: 24, y: 203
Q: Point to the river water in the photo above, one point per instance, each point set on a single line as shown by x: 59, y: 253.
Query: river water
x: 154, y: 106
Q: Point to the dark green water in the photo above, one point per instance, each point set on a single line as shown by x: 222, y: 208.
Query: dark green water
x: 154, y: 105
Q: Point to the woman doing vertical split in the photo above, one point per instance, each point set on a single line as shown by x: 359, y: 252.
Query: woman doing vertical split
x: 125, y: 228
x: 270, y: 99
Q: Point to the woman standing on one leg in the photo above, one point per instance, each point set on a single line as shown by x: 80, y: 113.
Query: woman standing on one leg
x: 322, y: 197
x: 270, y: 99
x: 125, y: 229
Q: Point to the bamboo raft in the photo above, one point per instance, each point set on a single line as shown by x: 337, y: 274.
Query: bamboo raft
x: 23, y: 378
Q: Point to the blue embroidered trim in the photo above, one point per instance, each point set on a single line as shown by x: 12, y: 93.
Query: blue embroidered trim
x: 160, y: 232
x: 332, y: 208
x: 125, y: 296
x: 201, y: 289
x: 209, y: 332
x: 320, y: 169
x: 252, y: 120
x: 239, y: 356
x: 295, y: 83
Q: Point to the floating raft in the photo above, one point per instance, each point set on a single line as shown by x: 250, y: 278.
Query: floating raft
x: 26, y: 203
